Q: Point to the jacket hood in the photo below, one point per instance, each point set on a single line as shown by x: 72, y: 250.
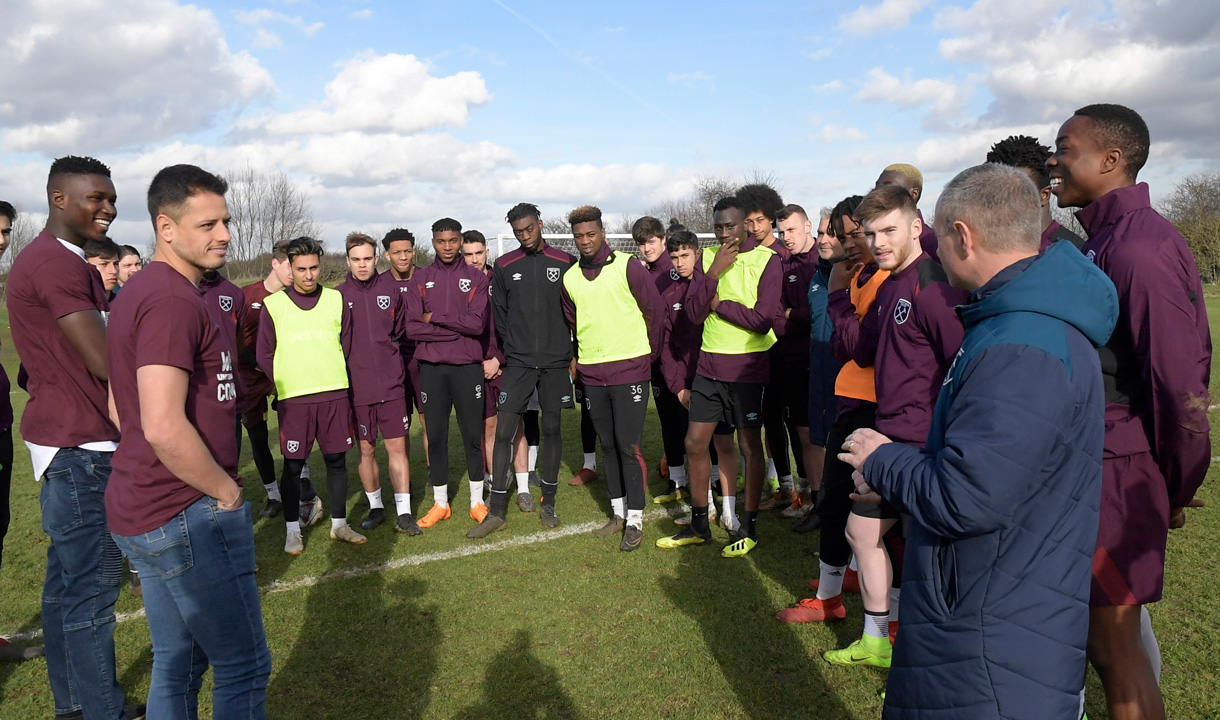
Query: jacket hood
x: 1060, y: 283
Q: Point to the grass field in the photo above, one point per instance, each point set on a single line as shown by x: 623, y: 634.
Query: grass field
x: 559, y: 624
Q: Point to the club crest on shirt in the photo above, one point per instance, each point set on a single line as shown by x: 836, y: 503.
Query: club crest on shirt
x: 478, y: 391
x: 503, y: 397
x: 423, y: 398
x: 383, y: 302
x: 292, y: 446
x: 464, y: 284
x: 552, y: 274
x: 902, y: 311
x: 364, y: 431
x: 226, y: 303
x: 673, y: 274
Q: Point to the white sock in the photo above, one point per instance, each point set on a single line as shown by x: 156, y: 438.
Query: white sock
x: 728, y: 505
x: 709, y: 495
x: 402, y: 503
x: 523, y: 482
x: 273, y: 491
x: 374, y: 499
x: 619, y: 505
x: 876, y: 625
x: 305, y: 471
x: 487, y: 478
x: 803, y: 484
x: 533, y: 453
x: 852, y: 565
x: 294, y: 526
x: 476, y: 493
x: 440, y: 495
x: 1080, y: 710
x: 635, y: 518
x: 677, y: 474
x: 785, y: 483
x: 590, y: 461
x: 337, y: 523
x: 830, y: 580
x: 1151, y: 646
x: 895, y: 593
x: 771, y: 475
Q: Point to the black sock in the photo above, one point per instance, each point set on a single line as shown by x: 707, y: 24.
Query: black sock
x: 748, y: 520
x: 698, y: 520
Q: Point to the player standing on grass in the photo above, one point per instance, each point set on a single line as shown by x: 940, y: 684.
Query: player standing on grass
x: 375, y: 370
x: 399, y: 247
x: 304, y: 341
x: 174, y: 502
x: 736, y: 299
x: 1156, y: 367
x: 446, y: 314
x: 526, y: 292
x: 1026, y: 153
x: 615, y: 312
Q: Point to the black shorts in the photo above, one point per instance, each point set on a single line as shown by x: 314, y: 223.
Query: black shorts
x: 518, y: 384
x: 794, y: 394
x: 884, y: 511
x: 713, y: 401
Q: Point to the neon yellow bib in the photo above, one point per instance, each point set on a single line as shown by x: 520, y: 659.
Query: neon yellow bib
x: 308, y: 355
x: 740, y: 284
x: 609, y: 324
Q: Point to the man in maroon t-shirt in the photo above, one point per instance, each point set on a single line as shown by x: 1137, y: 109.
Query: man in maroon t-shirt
x: 55, y: 303
x: 174, y: 503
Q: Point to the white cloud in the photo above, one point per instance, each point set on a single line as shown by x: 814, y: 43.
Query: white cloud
x: 690, y: 79
x: 364, y: 14
x: 821, y: 53
x: 834, y: 133
x: 828, y: 86
x: 264, y: 16
x: 944, y: 97
x: 264, y: 38
x: 885, y: 16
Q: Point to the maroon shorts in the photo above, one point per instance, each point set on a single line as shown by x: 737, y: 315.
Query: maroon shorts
x: 413, y: 391
x: 391, y: 418
x: 252, y: 405
x: 328, y: 422
x: 491, y: 391
x: 1129, y: 562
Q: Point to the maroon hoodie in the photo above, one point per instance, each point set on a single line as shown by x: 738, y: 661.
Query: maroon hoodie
x: 1158, y: 361
x: 456, y: 295
x: 266, y: 344
x: 644, y: 290
x: 750, y: 367
x: 793, y: 330
x: 378, y: 310
x: 681, y: 339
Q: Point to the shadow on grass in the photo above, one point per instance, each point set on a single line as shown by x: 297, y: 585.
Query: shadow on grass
x: 517, y: 684
x: 7, y: 669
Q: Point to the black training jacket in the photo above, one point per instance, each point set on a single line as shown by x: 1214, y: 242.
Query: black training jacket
x: 526, y: 298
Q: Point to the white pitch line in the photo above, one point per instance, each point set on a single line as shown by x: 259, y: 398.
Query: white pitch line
x: 279, y: 586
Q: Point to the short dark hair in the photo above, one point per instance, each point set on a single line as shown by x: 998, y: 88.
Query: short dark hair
x: 76, y: 165
x: 682, y: 239
x: 584, y: 214
x: 1025, y: 152
x: 645, y: 228
x: 760, y: 198
x: 105, y: 248
x: 788, y: 211
x: 522, y: 210
x: 474, y: 236
x: 725, y: 203
x: 884, y: 199
x: 674, y: 226
x: 303, y: 246
x: 126, y: 251
x: 1118, y: 126
x: 279, y: 250
x: 356, y: 239
x: 847, y: 206
x: 8, y: 211
x: 171, y: 187
x: 395, y: 235
x: 447, y: 224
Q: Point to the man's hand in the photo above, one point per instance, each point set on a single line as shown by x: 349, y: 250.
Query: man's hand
x: 726, y: 255
x: 491, y: 369
x: 859, y: 445
x: 787, y: 313
x: 684, y: 398
x: 427, y: 317
x: 1177, y: 516
x: 572, y: 370
x: 864, y: 493
x: 235, y: 499
x: 715, y: 302
x: 841, y: 274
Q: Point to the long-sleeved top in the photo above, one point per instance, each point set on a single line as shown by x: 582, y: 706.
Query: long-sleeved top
x: 266, y: 344
x: 489, y: 341
x: 525, y: 296
x: 378, y: 310
x: 662, y: 272
x: 680, y: 340
x: 643, y: 289
x: 456, y: 295
x: 1055, y: 232
x: 927, y: 238
x: 793, y: 331
x: 1158, y: 362
x: 749, y: 367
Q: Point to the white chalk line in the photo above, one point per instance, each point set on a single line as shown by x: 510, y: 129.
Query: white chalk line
x: 280, y: 586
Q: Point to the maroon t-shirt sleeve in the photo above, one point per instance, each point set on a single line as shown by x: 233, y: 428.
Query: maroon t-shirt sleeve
x: 168, y: 332
x: 648, y: 299
x: 69, y: 287
x: 761, y: 317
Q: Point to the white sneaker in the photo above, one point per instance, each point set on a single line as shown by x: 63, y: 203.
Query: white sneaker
x: 294, y: 545
x: 347, y: 535
x: 729, y: 523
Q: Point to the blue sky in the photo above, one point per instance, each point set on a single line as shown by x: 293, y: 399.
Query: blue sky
x: 400, y: 113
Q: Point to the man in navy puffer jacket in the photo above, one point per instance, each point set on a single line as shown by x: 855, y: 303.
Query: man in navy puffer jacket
x: 1004, y: 498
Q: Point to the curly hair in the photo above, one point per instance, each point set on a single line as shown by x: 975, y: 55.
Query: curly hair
x: 1025, y: 152
x: 760, y: 198
x: 584, y: 214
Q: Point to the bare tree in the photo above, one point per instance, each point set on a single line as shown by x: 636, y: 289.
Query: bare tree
x: 1194, y: 207
x: 695, y: 210
x: 265, y: 208
x: 556, y: 226
x: 25, y: 228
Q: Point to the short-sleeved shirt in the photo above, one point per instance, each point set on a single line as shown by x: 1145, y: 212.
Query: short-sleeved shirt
x: 67, y: 406
x: 163, y: 321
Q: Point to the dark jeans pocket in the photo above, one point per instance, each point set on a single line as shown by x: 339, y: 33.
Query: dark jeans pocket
x: 60, y: 502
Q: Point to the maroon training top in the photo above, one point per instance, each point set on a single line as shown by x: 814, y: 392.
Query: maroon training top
x: 456, y: 295
x: 1158, y: 361
x: 793, y: 331
x: 406, y: 343
x: 927, y: 239
x: 489, y: 341
x: 681, y: 339
x: 251, y: 374
x: 162, y: 320
x: 68, y: 405
x: 750, y: 367
x: 644, y: 290
x: 266, y: 345
x: 375, y: 365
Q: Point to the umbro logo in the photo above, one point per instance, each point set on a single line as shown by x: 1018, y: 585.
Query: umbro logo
x: 429, y: 285
x: 516, y: 276
x: 751, y: 416
x: 255, y: 305
x: 565, y: 398
x: 791, y: 278
x: 677, y: 306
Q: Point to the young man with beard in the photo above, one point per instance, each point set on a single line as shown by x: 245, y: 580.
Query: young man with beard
x: 399, y: 247
x: 174, y: 501
x: 1156, y: 368
x: 56, y: 304
x: 526, y: 294
x: 910, y: 179
x: 377, y: 380
x: 614, y: 309
x: 1026, y: 153
x: 252, y: 407
x: 910, y: 340
x: 446, y: 315
x: 304, y: 341
x: 736, y: 299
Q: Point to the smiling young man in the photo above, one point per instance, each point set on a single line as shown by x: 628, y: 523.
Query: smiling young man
x: 304, y: 341
x: 174, y: 502
x: 55, y: 303
x: 615, y: 312
x: 446, y: 314
x: 377, y: 380
x: 1156, y: 367
x: 399, y: 249
x: 1030, y: 156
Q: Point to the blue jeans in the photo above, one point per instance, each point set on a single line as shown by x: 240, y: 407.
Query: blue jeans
x: 203, y: 606
x: 84, y: 567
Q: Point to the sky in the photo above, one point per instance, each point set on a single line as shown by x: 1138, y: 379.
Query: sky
x: 399, y: 113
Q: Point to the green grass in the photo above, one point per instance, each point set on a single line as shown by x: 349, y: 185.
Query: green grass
x: 562, y: 628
